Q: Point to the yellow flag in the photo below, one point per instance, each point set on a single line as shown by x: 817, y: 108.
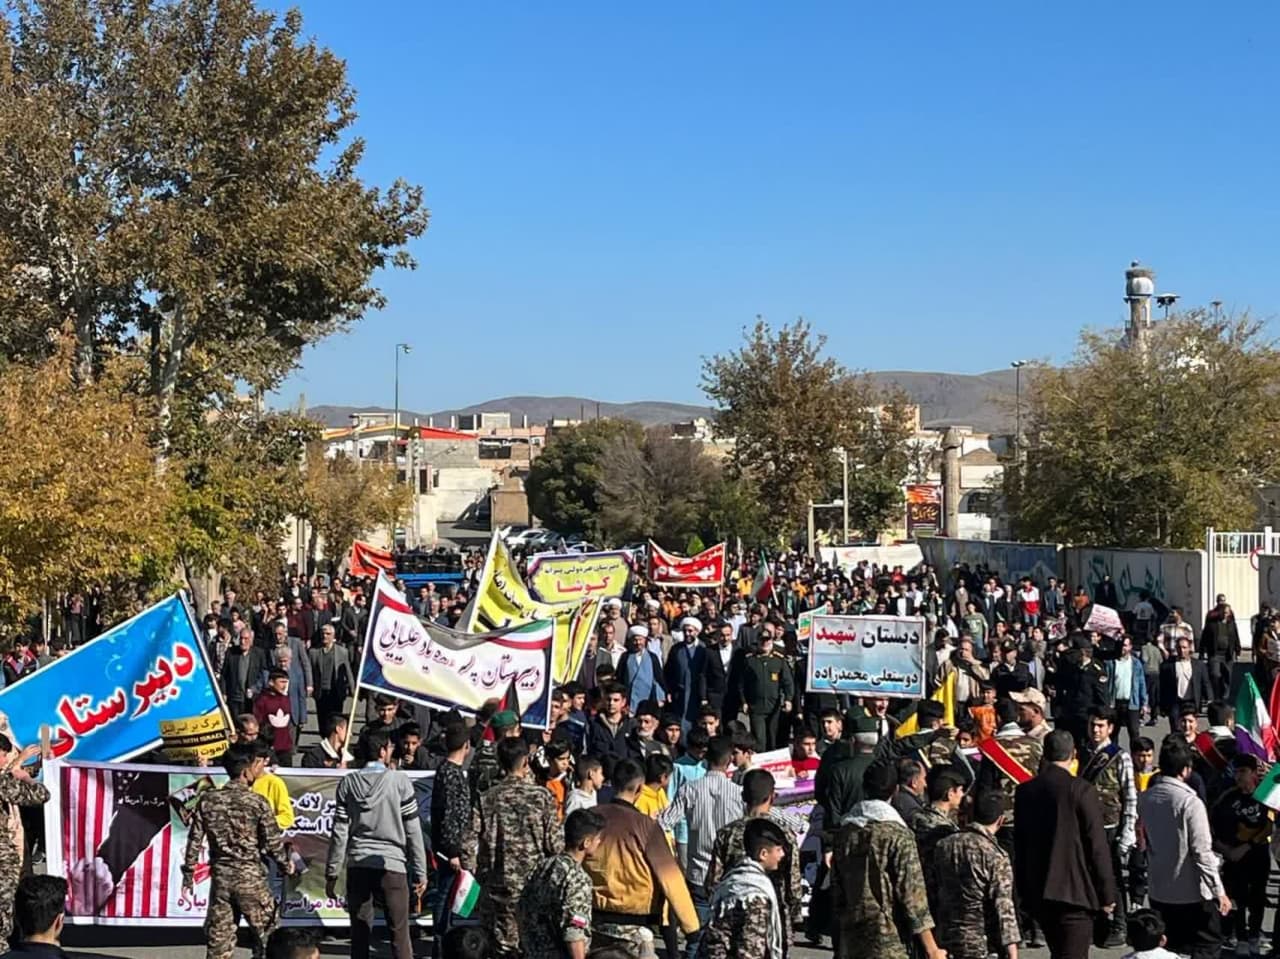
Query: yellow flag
x: 945, y: 694
x: 502, y: 599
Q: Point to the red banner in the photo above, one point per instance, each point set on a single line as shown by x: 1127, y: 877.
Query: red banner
x: 368, y: 560
x: 704, y: 570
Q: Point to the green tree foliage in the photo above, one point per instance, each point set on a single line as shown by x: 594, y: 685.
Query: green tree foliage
x: 732, y: 510
x: 1127, y: 450
x: 879, y: 467
x: 564, y: 481
x: 788, y: 408
x: 179, y: 181
x: 654, y: 484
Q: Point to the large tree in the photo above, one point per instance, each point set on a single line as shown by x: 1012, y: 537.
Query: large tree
x: 564, y: 481
x: 788, y: 409
x: 1131, y: 448
x: 655, y: 485
x: 80, y: 504
x: 344, y: 499
x: 179, y: 181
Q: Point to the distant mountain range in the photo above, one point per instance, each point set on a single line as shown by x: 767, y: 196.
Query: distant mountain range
x: 977, y: 400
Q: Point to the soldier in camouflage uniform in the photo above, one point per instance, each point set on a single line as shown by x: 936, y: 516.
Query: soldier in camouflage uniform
x: 934, y: 745
x: 555, y: 907
x: 513, y: 829
x: 485, y: 771
x: 728, y: 849
x: 878, y: 887
x: 17, y: 788
x: 241, y: 829
x: 975, y: 912
x: 1110, y: 769
x: 938, y: 820
x: 1010, y: 758
x: 745, y: 921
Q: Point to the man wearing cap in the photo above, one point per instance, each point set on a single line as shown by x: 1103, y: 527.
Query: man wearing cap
x: 686, y: 673
x: 485, y: 771
x: 1032, y: 707
x: 1010, y: 675
x: 934, y: 745
x: 768, y: 690
x: 1081, y: 685
x: 639, y: 671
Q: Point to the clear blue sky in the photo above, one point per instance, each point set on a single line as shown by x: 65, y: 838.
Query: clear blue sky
x: 616, y: 189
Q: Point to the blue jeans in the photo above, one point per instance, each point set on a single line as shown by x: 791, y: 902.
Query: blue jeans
x: 702, y: 905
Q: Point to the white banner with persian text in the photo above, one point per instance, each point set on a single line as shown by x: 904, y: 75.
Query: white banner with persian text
x: 867, y: 656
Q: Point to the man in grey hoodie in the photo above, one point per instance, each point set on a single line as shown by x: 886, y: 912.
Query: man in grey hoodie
x: 377, y: 832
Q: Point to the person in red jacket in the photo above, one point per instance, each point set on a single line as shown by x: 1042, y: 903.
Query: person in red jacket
x: 274, y: 713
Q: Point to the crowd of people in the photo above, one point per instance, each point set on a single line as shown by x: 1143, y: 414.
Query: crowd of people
x: 1002, y: 816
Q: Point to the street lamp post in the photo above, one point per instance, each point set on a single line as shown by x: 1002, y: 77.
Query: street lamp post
x: 395, y: 428
x: 1017, y: 409
x: 844, y: 469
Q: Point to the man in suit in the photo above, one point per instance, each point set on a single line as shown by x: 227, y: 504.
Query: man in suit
x: 331, y: 673
x: 1184, y: 684
x: 719, y: 658
x: 1062, y: 864
x: 241, y: 669
x: 686, y: 673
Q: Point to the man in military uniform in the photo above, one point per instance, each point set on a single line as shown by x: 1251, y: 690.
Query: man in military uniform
x: 555, y: 907
x: 934, y: 745
x: 241, y: 830
x: 513, y: 829
x: 757, y: 798
x: 1010, y: 758
x: 975, y: 912
x: 1110, y: 769
x: 1032, y: 708
x: 878, y: 888
x: 938, y: 820
x: 17, y: 788
x: 484, y: 771
x: 768, y: 690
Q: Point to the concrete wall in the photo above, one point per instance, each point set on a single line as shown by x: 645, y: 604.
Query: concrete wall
x: 1011, y: 560
x: 1176, y: 577
x: 508, y: 506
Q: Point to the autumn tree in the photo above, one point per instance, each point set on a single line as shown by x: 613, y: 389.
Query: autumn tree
x: 179, y: 182
x: 788, y: 408
x: 1125, y: 448
x: 564, y: 481
x: 654, y: 484
x: 344, y: 500
x: 80, y: 504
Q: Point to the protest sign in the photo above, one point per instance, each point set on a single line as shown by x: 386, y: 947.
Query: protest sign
x: 442, y: 668
x: 503, y: 600
x: 867, y: 656
x: 668, y: 569
x: 106, y: 700
x: 924, y: 509
x: 1104, y: 620
x: 804, y: 623
x: 118, y: 832
x: 573, y: 577
x: 197, y: 737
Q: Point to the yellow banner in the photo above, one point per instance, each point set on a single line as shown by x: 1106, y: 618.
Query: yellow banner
x: 502, y: 599
x: 197, y: 737
x: 573, y: 577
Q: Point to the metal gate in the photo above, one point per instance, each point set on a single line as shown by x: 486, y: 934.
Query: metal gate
x: 1233, y: 570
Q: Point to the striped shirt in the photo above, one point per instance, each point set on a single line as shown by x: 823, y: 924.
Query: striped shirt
x: 707, y: 806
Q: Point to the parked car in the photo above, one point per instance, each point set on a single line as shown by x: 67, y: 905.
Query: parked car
x: 522, y: 539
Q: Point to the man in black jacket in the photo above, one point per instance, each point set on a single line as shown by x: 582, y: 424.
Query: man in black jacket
x: 1062, y: 864
x: 243, y: 664
x: 1081, y: 686
x: 1184, y: 684
x: 1219, y: 646
x: 607, y: 733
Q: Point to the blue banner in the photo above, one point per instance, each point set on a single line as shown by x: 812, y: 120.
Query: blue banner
x: 105, y: 701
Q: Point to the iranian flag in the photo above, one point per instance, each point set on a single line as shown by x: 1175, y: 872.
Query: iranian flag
x: 1254, y: 734
x: 762, y: 588
x: 1268, y: 791
x: 465, y: 894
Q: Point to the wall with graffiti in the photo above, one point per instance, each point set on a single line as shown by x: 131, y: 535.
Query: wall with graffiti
x: 1010, y: 560
x: 1173, y: 577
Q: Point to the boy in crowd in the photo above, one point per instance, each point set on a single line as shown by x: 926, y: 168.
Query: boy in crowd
x: 1145, y: 932
x: 555, y: 907
x: 273, y: 710
x: 588, y: 778
x: 745, y: 921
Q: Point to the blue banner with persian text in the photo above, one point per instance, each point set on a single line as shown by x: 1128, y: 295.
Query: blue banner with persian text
x: 106, y: 700
x: 867, y: 655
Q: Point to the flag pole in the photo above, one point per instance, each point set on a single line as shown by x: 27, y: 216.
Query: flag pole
x: 364, y: 647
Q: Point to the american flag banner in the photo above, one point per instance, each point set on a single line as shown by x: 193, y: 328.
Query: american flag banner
x: 118, y: 832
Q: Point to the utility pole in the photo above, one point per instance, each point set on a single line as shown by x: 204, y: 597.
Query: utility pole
x: 1017, y: 409
x: 844, y: 469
